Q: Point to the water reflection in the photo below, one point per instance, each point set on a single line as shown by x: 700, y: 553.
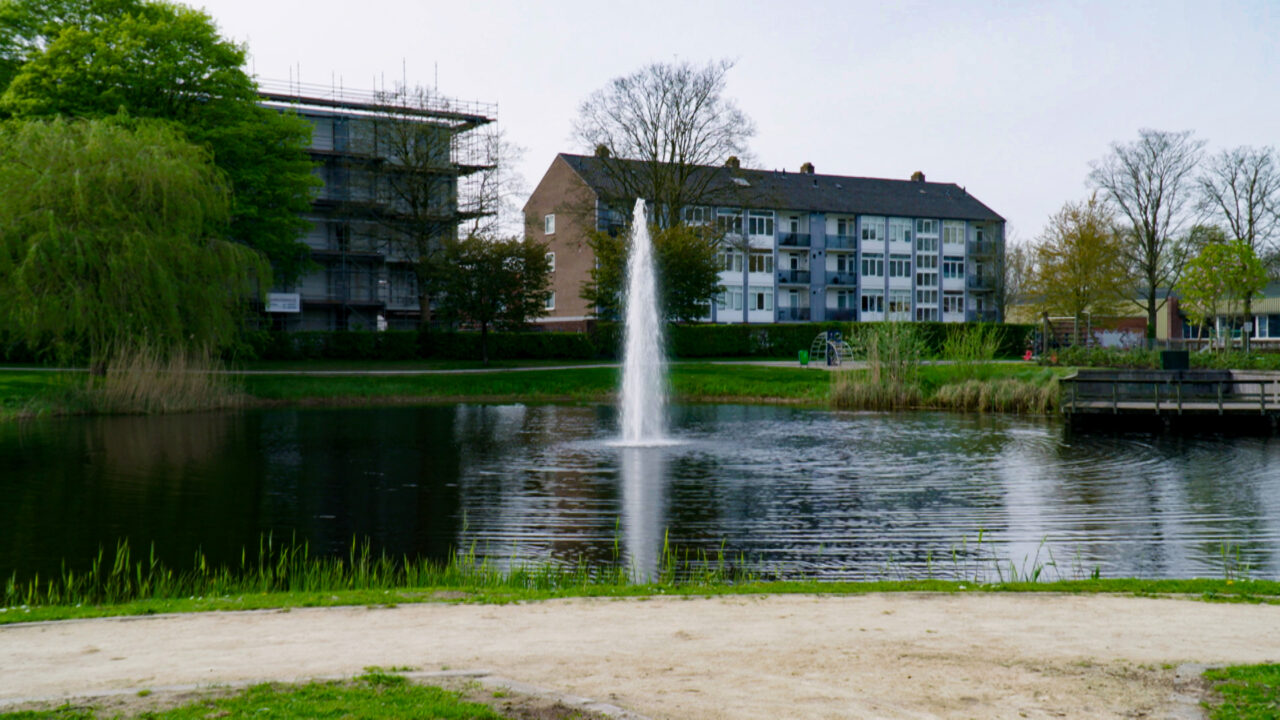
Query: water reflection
x: 791, y: 492
x: 644, y: 478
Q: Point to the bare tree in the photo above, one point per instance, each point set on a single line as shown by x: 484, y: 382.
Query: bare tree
x: 1013, y: 275
x: 656, y: 128
x: 1242, y: 187
x: 411, y: 176
x: 1150, y: 182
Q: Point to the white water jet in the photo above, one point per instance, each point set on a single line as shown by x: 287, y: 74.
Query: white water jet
x: 644, y: 376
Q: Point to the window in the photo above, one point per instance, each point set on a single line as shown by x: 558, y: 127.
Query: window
x: 927, y: 278
x: 730, y: 299
x: 873, y: 264
x: 760, y: 261
x: 551, y: 262
x: 697, y: 215
x: 730, y: 260
x: 729, y: 222
x: 952, y: 303
x: 845, y: 299
x: 953, y: 233
x: 926, y: 297
x: 760, y: 222
x: 926, y: 314
x: 952, y: 267
x: 551, y: 300
x: 845, y: 227
x: 793, y: 224
x: 927, y: 244
x: 872, y: 228
x: 899, y: 266
x: 873, y: 302
x: 899, y: 304
x: 926, y: 262
x: 926, y: 227
x: 549, y: 224
x: 899, y: 230
x: 760, y: 298
x: 844, y: 262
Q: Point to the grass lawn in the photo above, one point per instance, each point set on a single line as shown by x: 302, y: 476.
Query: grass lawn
x: 1245, y: 692
x: 376, y: 695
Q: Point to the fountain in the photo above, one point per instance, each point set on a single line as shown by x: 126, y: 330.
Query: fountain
x: 644, y: 391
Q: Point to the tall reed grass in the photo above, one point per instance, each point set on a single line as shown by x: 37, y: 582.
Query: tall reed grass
x: 142, y: 379
x: 891, y: 380
x: 290, y: 566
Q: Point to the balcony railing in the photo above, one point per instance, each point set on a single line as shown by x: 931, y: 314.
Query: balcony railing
x: 839, y: 314
x: 980, y: 316
x: 791, y: 239
x: 845, y: 279
x: 793, y: 313
x: 980, y: 282
x: 793, y: 277
x: 983, y: 248
x: 842, y: 242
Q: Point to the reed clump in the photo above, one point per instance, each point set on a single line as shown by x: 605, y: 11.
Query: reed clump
x: 1006, y: 395
x: 891, y: 381
x: 142, y: 379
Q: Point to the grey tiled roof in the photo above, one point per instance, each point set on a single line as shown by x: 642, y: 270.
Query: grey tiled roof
x: 777, y: 190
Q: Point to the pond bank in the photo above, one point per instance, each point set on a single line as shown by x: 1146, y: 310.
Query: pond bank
x: 886, y: 655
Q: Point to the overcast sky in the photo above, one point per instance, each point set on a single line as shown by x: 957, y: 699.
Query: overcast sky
x: 1010, y: 99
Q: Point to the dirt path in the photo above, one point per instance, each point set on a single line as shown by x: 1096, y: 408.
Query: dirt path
x: 893, y: 656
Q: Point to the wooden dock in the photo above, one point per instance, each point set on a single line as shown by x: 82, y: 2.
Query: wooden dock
x: 1194, y: 401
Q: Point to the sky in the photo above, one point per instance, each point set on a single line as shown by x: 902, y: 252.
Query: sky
x: 1012, y: 100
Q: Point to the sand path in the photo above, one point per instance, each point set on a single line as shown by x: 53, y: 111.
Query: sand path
x: 892, y: 656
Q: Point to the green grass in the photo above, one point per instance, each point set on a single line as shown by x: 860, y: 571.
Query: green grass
x: 287, y: 575
x: 375, y: 695
x: 1246, y: 692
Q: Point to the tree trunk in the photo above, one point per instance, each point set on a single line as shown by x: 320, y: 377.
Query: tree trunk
x: 1152, y: 318
x: 1246, y: 331
x: 484, y: 343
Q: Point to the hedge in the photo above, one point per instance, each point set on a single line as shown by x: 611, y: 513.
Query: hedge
x: 603, y: 341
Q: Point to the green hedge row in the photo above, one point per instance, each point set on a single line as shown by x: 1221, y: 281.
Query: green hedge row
x: 603, y: 341
x: 785, y: 340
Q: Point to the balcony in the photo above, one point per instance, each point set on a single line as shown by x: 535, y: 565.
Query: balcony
x: 981, y: 316
x: 792, y: 239
x: 980, y: 282
x: 843, y: 279
x: 793, y: 313
x: 985, y: 248
x: 839, y: 314
x: 842, y: 242
x: 793, y: 277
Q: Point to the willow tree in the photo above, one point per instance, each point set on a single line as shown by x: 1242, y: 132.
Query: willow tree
x: 111, y: 235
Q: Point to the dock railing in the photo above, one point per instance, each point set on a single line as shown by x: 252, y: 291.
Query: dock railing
x: 1175, y: 391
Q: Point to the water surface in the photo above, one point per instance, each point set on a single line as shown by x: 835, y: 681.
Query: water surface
x: 793, y: 493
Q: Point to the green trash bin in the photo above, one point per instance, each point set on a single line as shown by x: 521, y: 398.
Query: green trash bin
x: 804, y: 358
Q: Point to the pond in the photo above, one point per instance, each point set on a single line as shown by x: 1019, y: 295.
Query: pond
x: 785, y: 492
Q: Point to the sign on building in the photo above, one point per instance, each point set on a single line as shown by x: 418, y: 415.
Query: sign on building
x: 284, y: 302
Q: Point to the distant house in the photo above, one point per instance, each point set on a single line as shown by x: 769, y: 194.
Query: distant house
x: 799, y: 246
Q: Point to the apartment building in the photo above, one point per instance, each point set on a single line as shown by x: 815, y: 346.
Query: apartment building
x: 395, y: 169
x: 797, y: 246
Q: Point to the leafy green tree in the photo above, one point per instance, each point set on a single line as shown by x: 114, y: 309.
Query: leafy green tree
x: 494, y: 283
x: 110, y: 234
x: 686, y: 264
x: 99, y: 58
x: 1077, y: 265
x: 1223, y: 277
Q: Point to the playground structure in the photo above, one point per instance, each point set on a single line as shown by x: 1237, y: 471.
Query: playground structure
x: 830, y: 348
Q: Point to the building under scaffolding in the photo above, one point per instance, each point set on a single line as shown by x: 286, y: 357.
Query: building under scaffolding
x: 401, y: 171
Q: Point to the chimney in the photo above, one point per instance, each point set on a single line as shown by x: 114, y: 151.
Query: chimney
x: 917, y: 176
x: 602, y: 151
x: 732, y: 162
x: 807, y: 168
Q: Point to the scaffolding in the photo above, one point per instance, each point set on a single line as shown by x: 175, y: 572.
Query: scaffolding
x: 358, y: 162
